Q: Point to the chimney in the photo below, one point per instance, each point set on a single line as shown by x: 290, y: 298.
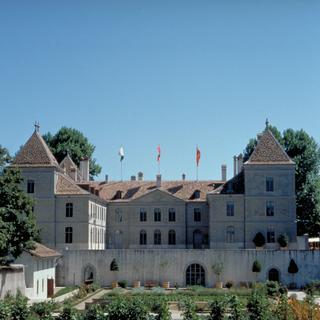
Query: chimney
x: 140, y: 176
x: 240, y: 162
x: 106, y: 178
x: 73, y: 173
x: 133, y: 178
x: 224, y: 172
x: 84, y: 169
x: 183, y: 177
x: 158, y: 180
x: 234, y: 165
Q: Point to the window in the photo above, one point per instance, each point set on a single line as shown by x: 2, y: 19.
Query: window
x: 42, y: 285
x: 270, y: 209
x: 230, y: 234
x: 196, y: 195
x: 157, y: 237
x: 143, y: 237
x: 69, y: 210
x: 68, y: 234
x: 118, y: 217
x: 143, y: 215
x: 271, y: 235
x: 118, y: 195
x: 30, y: 186
x: 269, y: 184
x: 197, y: 214
x: 195, y: 275
x: 172, y: 237
x: 37, y: 286
x: 230, y: 208
x: 157, y: 214
x: 172, y: 214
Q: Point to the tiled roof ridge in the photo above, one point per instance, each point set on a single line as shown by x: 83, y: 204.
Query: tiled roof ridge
x: 77, y: 189
x: 35, y: 152
x: 269, y: 150
x: 42, y: 251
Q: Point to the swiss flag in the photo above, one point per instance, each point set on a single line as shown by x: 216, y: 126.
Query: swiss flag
x: 198, y: 155
x: 159, y: 153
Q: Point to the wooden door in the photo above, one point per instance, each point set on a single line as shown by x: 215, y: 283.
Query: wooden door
x: 50, y: 288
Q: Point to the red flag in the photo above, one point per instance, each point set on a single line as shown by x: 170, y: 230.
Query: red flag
x: 198, y: 154
x: 159, y: 153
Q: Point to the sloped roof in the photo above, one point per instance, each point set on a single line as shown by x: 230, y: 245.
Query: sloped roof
x: 35, y: 153
x: 42, y: 251
x: 68, y: 164
x: 233, y: 186
x: 135, y: 189
x: 268, y: 150
x: 65, y: 185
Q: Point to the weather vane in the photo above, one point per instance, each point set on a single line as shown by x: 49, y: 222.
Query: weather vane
x: 36, y: 126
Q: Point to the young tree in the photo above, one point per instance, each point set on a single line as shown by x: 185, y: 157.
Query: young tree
x: 72, y: 141
x: 305, y: 152
x: 256, y: 268
x: 259, y: 240
x: 293, y: 269
x: 18, y: 229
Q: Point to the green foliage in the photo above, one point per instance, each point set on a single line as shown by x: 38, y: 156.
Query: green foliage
x: 122, y: 284
x: 114, y: 265
x: 259, y: 240
x: 283, y: 240
x: 18, y: 229
x: 237, y: 309
x: 72, y: 141
x: 293, y: 268
x: 256, y: 266
x: 95, y: 313
x: 305, y: 152
x: 5, y: 310
x: 162, y: 310
x: 19, y: 308
x: 217, y: 268
x: 218, y: 308
x: 69, y: 313
x: 258, y: 306
x: 43, y: 310
x: 189, y: 310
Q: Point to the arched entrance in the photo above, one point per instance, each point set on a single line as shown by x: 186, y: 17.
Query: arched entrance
x: 197, y: 239
x: 89, y: 274
x: 195, y: 275
x: 273, y: 275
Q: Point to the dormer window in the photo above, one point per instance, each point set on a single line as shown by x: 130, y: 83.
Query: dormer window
x: 118, y: 195
x: 195, y: 195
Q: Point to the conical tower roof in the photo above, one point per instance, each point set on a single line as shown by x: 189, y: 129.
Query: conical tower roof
x: 269, y: 151
x: 35, y: 153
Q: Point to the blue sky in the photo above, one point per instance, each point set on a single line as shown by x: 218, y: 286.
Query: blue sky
x: 174, y: 73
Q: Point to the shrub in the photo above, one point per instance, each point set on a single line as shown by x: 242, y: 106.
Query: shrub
x: 5, y: 310
x: 19, y: 308
x: 237, y: 309
x: 272, y: 288
x: 229, y: 284
x: 258, y: 306
x: 43, y: 310
x: 189, y: 310
x: 218, y: 309
x: 95, y: 313
x: 312, y: 287
x: 256, y: 266
x: 68, y: 313
x: 122, y: 284
x: 283, y: 240
x: 162, y: 310
x: 114, y: 265
x: 293, y: 268
x: 259, y: 240
x: 158, y: 290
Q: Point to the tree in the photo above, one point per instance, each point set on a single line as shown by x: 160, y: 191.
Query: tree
x: 72, y: 141
x: 256, y: 267
x: 18, y: 229
x: 283, y: 240
x: 305, y: 152
x: 259, y: 240
x: 293, y: 269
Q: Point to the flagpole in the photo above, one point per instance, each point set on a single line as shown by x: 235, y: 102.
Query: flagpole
x: 196, y: 163
x: 121, y: 170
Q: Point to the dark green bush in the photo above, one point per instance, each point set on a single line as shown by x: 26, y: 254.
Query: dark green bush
x: 218, y: 308
x: 161, y: 308
x: 43, y: 310
x: 189, y: 310
x: 259, y: 240
x: 237, y: 310
x: 258, y: 305
x: 19, y: 308
x: 229, y: 284
x: 283, y: 240
x: 256, y: 267
x: 95, y: 313
x: 68, y: 313
x: 122, y: 284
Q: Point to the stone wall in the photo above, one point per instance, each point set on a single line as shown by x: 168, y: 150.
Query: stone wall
x: 171, y: 264
x: 12, y: 280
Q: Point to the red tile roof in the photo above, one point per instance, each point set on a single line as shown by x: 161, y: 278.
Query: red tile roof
x: 269, y: 151
x: 65, y: 185
x: 42, y: 251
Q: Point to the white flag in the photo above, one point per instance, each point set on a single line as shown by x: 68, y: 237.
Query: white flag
x: 121, y: 153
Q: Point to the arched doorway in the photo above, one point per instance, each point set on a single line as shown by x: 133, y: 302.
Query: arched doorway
x: 273, y: 275
x: 89, y: 274
x: 195, y: 275
x: 197, y: 239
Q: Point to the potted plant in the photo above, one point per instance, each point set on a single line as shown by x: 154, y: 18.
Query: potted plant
x: 293, y: 269
x: 164, y: 266
x: 114, y: 268
x: 256, y: 268
x: 283, y: 241
x: 217, y: 269
x: 259, y: 240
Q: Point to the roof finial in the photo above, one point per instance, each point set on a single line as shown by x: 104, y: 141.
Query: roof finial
x: 267, y: 123
x: 36, y: 126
